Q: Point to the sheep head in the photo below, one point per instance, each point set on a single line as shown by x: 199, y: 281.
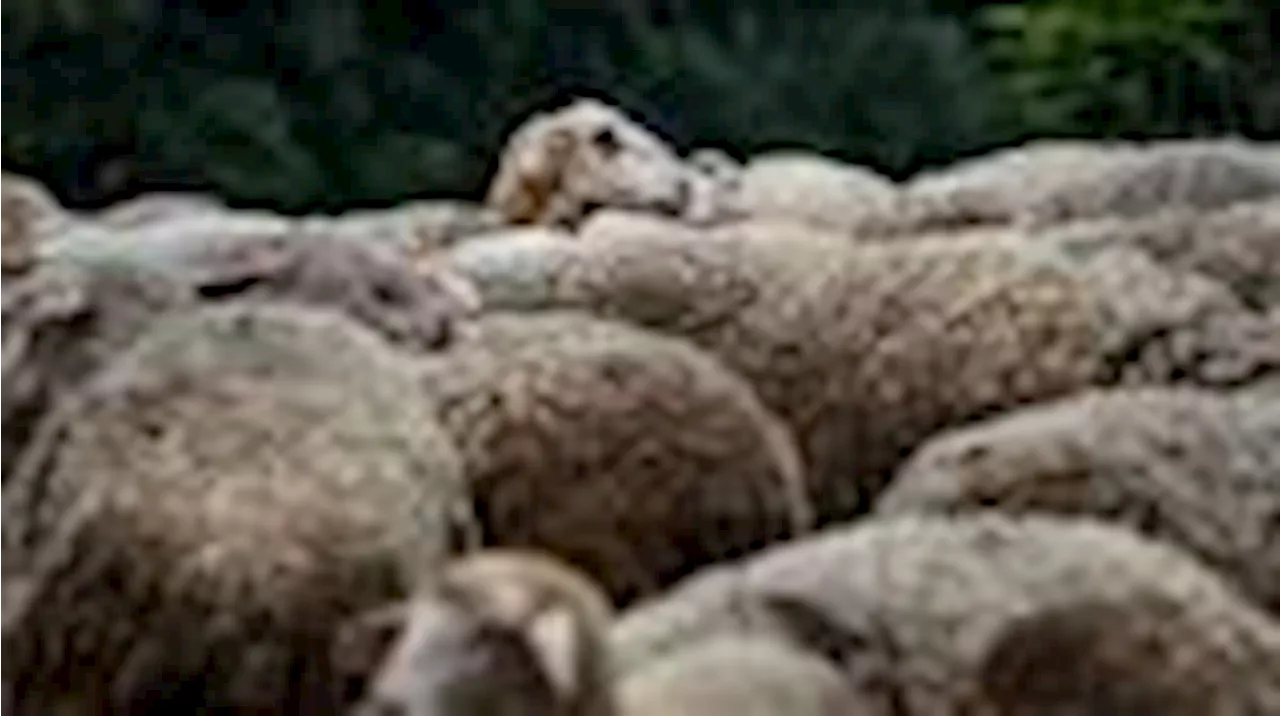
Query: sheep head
x: 502, y: 632
x: 561, y: 165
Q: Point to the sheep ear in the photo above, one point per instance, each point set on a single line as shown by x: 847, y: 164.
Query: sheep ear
x: 556, y: 638
x: 559, y: 145
x: 523, y: 190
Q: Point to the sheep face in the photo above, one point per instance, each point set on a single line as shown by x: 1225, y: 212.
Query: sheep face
x: 560, y: 166
x: 502, y: 633
x: 445, y: 662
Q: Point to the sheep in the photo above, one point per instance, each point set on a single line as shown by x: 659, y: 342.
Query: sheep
x: 812, y: 188
x: 1006, y: 173
x: 1198, y: 175
x: 67, y: 317
x: 1238, y: 246
x: 60, y: 325
x: 226, y: 257
x: 1184, y: 465
x: 154, y: 207
x: 498, y: 631
x: 507, y: 631
x: 29, y: 215
x: 165, y: 243
x: 633, y: 455
x: 190, y: 532
x: 910, y: 607
x: 418, y: 309
x: 417, y: 228
x: 717, y: 164
x: 1113, y: 656
x: 606, y: 223
x: 985, y: 190
x: 1161, y: 319
x: 1161, y: 325
x: 1051, y: 182
x: 864, y: 351
x: 560, y: 165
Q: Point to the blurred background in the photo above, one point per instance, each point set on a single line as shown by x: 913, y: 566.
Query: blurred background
x: 324, y: 105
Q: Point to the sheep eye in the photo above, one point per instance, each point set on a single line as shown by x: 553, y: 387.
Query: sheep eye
x: 606, y: 140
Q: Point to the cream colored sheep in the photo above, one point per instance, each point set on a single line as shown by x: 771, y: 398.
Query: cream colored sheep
x: 717, y: 164
x: 988, y: 189
x: 1239, y: 246
x: 1198, y: 175
x: 813, y: 189
x: 863, y: 350
x: 165, y: 243
x: 30, y: 215
x: 738, y: 675
x: 1160, y: 325
x: 561, y: 165
x: 911, y: 607
x: 418, y: 228
x: 1050, y: 182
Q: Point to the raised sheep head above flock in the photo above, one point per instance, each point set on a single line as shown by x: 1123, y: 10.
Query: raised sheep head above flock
x: 561, y: 165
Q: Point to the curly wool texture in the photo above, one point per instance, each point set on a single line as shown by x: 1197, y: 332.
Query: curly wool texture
x: 1238, y: 246
x: 60, y: 325
x: 1051, y: 182
x: 1161, y: 325
x: 1195, y: 174
x: 863, y: 351
x: 1108, y: 656
x: 191, y: 530
x: 1159, y: 320
x: 1185, y: 466
x: 910, y: 606
x: 987, y: 190
x: 634, y: 456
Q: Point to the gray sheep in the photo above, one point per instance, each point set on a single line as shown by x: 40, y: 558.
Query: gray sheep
x: 911, y: 607
x: 62, y: 323
x: 191, y: 530
x: 1191, y: 467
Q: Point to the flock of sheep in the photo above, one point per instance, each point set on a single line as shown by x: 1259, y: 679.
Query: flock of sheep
x: 648, y: 434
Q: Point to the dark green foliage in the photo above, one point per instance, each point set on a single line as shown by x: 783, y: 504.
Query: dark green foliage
x: 307, y: 105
